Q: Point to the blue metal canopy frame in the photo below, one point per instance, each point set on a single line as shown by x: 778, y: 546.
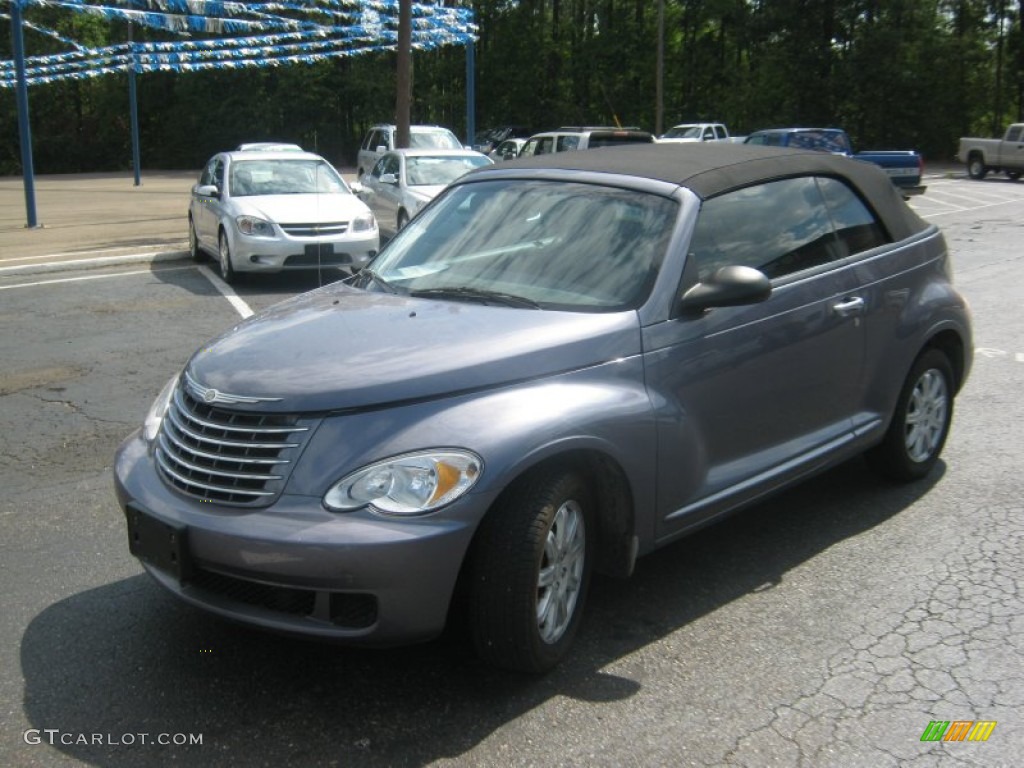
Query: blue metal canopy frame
x: 261, y: 34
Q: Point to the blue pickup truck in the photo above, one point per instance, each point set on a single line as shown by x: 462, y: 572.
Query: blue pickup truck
x: 902, y: 166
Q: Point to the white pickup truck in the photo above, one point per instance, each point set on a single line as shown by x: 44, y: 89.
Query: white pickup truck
x: 994, y: 155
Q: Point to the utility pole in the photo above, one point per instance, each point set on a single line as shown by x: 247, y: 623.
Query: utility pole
x: 404, y: 76
x: 659, y: 81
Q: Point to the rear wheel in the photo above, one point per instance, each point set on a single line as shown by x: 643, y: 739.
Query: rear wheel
x: 530, y: 572
x: 1014, y: 175
x: 403, y: 219
x: 976, y: 167
x: 227, y: 269
x: 921, y: 422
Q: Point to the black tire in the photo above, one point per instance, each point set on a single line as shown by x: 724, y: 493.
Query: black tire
x: 193, y: 242
x: 533, y: 533
x: 1013, y: 175
x: 403, y: 219
x: 920, y: 422
x: 227, y: 269
x: 976, y: 167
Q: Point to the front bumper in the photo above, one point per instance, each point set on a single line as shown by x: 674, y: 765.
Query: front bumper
x: 294, y: 566
x: 275, y: 254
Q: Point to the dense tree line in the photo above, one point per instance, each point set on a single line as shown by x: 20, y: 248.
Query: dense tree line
x: 895, y: 73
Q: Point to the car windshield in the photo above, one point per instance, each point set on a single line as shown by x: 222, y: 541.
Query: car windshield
x: 284, y: 177
x: 441, y: 170
x: 439, y: 139
x: 554, y: 245
x: 683, y: 132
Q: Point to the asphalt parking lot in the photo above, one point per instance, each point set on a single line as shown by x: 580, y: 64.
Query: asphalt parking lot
x: 826, y: 627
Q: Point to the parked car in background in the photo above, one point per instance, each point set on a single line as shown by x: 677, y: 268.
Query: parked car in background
x: 509, y: 149
x: 487, y: 141
x: 903, y: 167
x: 381, y: 138
x: 582, y: 137
x: 693, y: 132
x: 404, y: 180
x: 985, y: 156
x: 564, y: 363
x: 267, y: 211
x: 268, y: 146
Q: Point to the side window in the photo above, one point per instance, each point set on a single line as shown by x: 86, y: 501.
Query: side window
x: 218, y: 173
x: 779, y: 228
x: 378, y: 168
x: 391, y: 164
x: 709, y: 133
x: 368, y: 141
x: 856, y: 226
x: 207, y: 175
x: 1014, y: 133
x: 567, y: 142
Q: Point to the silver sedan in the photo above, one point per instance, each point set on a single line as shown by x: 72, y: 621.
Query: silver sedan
x: 405, y: 180
x: 267, y: 211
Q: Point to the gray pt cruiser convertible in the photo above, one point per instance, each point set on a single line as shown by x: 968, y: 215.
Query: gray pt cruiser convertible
x: 560, y: 365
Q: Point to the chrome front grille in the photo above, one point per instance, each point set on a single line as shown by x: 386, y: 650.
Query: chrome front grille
x: 330, y: 229
x: 227, y: 456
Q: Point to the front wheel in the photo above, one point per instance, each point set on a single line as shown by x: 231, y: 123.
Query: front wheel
x: 193, y: 242
x: 403, y: 219
x: 227, y: 269
x: 976, y: 167
x: 921, y: 422
x: 530, y: 571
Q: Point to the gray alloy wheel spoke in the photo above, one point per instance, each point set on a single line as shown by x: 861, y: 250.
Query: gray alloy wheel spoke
x: 561, y: 574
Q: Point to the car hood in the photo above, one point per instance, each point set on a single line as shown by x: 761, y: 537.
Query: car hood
x: 304, y: 209
x: 340, y: 348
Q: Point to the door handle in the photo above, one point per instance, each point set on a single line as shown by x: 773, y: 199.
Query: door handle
x: 847, y: 307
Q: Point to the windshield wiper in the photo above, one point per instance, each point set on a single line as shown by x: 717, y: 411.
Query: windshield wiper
x: 476, y: 294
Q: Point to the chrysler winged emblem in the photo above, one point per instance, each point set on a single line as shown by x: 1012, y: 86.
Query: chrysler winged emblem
x: 210, y: 395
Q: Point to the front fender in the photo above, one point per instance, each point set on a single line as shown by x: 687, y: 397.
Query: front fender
x: 602, y: 409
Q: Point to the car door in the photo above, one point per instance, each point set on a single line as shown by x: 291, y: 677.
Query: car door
x: 755, y: 395
x: 383, y: 195
x: 205, y: 207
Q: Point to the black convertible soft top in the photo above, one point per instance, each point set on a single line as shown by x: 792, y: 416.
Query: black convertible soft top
x: 710, y: 168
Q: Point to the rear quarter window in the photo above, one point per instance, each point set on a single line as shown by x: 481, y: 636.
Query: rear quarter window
x: 783, y: 227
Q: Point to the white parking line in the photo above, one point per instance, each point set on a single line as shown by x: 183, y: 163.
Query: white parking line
x: 102, y: 261
x: 974, y: 208
x: 92, y: 277
x: 227, y: 292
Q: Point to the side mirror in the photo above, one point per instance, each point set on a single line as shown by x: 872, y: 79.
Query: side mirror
x: 356, y: 187
x: 389, y: 178
x: 728, y: 287
x: 381, y: 149
x: 207, y: 190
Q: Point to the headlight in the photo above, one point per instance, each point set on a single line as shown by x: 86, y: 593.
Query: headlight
x: 408, y: 485
x: 364, y: 223
x: 252, y: 225
x: 155, y: 417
